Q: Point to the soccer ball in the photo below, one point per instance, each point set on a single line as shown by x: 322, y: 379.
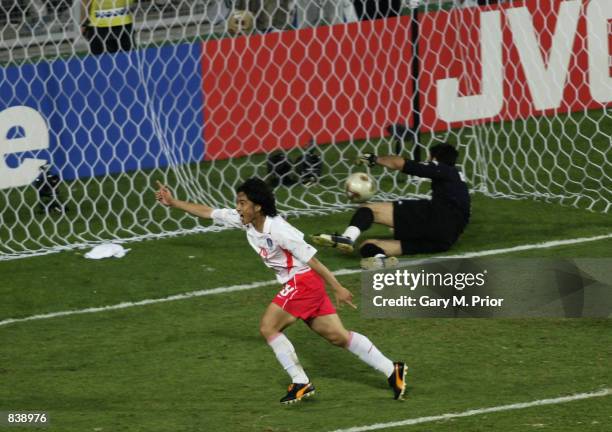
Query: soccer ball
x: 360, y: 187
x: 240, y: 22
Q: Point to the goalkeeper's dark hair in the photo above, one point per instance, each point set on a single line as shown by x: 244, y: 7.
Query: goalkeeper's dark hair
x: 259, y: 193
x: 444, y: 153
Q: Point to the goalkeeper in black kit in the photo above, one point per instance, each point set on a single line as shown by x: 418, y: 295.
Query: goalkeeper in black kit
x: 419, y: 226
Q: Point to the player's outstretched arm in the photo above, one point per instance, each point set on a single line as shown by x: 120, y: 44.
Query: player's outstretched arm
x: 342, y: 294
x: 391, y: 162
x: 164, y: 196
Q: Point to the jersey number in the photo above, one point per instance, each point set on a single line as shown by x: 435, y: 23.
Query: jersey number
x: 286, y: 290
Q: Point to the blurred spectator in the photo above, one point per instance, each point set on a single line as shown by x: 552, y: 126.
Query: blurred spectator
x: 42, y: 13
x: 375, y: 9
x: 217, y: 10
x: 470, y: 3
x: 313, y: 13
x: 240, y: 23
x: 39, y: 11
x: 38, y: 16
x: 270, y: 15
x: 107, y: 25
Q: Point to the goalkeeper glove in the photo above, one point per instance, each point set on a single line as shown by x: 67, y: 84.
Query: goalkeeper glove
x: 368, y: 159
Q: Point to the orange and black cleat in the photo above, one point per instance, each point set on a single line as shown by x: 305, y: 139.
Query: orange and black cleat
x: 296, y: 392
x: 397, y: 380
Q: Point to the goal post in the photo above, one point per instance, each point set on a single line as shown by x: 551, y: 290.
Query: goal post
x: 524, y: 89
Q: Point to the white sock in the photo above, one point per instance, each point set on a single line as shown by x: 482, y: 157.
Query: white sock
x: 285, y: 353
x: 352, y: 232
x: 363, y: 348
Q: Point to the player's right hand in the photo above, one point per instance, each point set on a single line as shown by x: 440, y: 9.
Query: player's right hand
x: 163, y: 194
x: 343, y: 296
x: 368, y: 159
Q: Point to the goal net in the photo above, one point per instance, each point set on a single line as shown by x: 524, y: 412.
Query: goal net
x: 213, y: 92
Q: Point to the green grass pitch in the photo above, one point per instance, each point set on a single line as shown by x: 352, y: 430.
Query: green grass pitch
x: 200, y: 365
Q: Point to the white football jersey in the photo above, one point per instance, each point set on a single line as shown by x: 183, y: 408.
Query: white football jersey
x: 281, y: 246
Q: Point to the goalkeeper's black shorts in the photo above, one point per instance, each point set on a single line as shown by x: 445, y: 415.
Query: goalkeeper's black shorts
x: 423, y: 226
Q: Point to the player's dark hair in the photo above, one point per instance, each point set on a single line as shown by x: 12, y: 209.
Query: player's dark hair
x: 259, y: 193
x: 444, y: 153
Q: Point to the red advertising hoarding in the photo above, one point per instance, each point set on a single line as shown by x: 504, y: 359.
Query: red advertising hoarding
x: 502, y: 62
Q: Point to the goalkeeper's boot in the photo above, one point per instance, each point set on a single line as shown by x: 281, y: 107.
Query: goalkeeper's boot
x: 337, y: 241
x: 379, y: 262
x: 296, y: 392
x: 397, y: 380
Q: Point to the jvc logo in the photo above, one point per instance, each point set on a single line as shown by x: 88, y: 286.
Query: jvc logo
x: 546, y: 76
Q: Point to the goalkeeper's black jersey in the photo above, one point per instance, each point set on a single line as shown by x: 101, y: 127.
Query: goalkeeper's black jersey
x: 447, y: 185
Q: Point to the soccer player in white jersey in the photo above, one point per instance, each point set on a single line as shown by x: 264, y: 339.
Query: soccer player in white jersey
x: 303, y: 296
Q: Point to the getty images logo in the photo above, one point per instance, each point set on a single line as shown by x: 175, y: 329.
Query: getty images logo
x: 428, y: 279
x: 33, y: 134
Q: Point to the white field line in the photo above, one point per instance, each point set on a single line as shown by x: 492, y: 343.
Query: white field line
x: 125, y: 305
x: 520, y: 248
x: 245, y: 287
x: 479, y: 411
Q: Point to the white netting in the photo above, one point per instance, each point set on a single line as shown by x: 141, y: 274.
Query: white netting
x: 211, y: 88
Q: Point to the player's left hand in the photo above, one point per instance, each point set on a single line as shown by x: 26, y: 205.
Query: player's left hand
x: 368, y: 159
x: 344, y: 296
x: 163, y: 194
